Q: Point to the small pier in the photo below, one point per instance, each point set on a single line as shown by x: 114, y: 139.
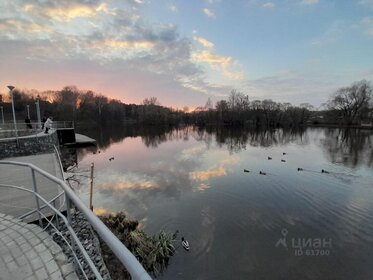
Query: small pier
x: 67, y: 136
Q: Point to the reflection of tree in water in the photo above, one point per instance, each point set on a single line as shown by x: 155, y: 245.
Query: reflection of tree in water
x: 351, y: 147
x: 234, y: 138
x: 237, y: 139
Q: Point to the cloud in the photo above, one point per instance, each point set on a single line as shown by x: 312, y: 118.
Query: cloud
x: 216, y: 62
x: 335, y: 32
x: 173, y: 8
x: 66, y: 11
x: 367, y: 3
x: 269, y: 5
x: 208, y: 13
x: 204, y: 42
x: 97, y: 33
x: 367, y: 24
x: 296, y: 87
x: 309, y: 2
x: 208, y: 57
x: 12, y: 27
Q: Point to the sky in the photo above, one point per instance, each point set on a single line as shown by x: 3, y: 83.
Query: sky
x: 184, y: 52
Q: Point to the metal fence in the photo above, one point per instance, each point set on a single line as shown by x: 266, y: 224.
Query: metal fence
x: 7, y: 130
x: 71, y: 199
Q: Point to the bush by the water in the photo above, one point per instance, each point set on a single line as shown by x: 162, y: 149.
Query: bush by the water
x: 153, y: 252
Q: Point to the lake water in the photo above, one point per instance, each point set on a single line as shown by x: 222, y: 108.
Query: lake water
x: 287, y: 224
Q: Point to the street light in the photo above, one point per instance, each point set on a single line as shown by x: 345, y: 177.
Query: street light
x: 37, y: 103
x: 14, y: 112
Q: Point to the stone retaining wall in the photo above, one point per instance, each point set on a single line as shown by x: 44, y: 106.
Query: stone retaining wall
x: 89, y: 240
x: 28, y: 145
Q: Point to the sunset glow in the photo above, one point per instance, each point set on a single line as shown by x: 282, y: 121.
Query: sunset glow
x: 184, y: 52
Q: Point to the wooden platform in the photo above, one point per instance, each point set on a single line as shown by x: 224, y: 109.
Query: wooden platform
x: 15, y: 202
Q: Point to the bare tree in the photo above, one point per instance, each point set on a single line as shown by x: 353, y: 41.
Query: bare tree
x: 238, y: 101
x: 151, y: 101
x: 352, y: 102
x: 208, y: 105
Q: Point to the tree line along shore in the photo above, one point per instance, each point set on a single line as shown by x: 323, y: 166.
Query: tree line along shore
x: 347, y: 106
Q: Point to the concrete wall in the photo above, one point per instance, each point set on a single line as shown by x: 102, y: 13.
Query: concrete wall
x: 28, y: 145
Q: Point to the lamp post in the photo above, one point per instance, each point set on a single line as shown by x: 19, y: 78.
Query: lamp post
x: 37, y: 103
x: 14, y: 112
x: 2, y: 114
x: 28, y: 111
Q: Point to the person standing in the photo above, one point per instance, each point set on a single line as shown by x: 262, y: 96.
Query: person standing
x: 28, y: 122
x: 48, y: 124
x: 43, y: 122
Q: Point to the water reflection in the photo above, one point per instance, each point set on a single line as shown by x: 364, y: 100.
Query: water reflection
x: 350, y: 147
x: 192, y: 179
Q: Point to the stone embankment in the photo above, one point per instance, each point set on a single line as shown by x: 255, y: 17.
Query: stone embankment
x: 89, y: 240
x: 28, y: 145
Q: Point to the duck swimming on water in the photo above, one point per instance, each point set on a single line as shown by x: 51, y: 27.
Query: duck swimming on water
x: 324, y: 171
x: 283, y: 160
x: 300, y: 169
x: 245, y: 170
x: 185, y: 243
x: 269, y: 158
x: 283, y: 153
x: 262, y: 173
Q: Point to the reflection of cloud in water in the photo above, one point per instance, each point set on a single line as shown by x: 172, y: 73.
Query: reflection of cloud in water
x: 100, y: 211
x: 217, y: 171
x: 127, y: 181
x: 118, y: 186
x: 190, y: 153
x: 206, y: 175
x: 231, y: 160
x: 202, y: 187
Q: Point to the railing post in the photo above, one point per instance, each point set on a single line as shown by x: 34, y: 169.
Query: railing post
x: 37, y: 199
x: 91, y: 188
x: 57, y: 220
x: 69, y: 220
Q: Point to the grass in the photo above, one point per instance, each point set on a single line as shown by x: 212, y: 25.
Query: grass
x: 153, y: 252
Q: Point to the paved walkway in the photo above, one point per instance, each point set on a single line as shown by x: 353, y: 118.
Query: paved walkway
x: 27, y: 252
x: 14, y: 202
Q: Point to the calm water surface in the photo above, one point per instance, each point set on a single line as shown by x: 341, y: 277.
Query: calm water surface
x: 192, y: 180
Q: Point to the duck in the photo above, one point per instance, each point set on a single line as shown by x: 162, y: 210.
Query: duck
x: 300, y: 169
x: 324, y: 171
x: 245, y: 170
x: 269, y: 158
x: 283, y: 160
x: 185, y: 243
x: 262, y: 173
x: 112, y: 158
x: 283, y: 154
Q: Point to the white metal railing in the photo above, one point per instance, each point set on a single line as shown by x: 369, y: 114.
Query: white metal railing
x: 7, y: 130
x: 123, y: 254
x: 63, y: 124
x: 21, y: 125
